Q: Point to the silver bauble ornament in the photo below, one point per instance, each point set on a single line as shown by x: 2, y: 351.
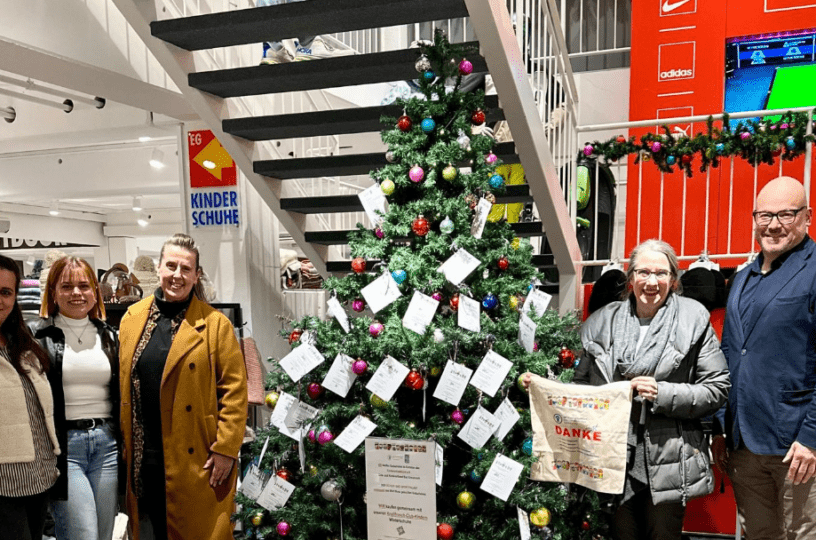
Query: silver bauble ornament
x: 463, y: 141
x: 438, y: 335
x: 390, y: 157
x: 423, y: 64
x: 330, y: 490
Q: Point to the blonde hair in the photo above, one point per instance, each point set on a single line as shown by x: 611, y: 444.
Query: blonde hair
x: 186, y: 242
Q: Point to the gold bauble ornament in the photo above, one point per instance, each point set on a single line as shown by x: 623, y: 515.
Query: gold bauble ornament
x: 516, y: 243
x: 466, y: 500
x: 271, y: 400
x: 257, y: 519
x: 540, y: 517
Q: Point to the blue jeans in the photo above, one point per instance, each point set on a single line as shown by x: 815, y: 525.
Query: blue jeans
x: 90, y: 510
x: 276, y: 45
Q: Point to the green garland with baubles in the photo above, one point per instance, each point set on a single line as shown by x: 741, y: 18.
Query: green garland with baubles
x: 756, y: 141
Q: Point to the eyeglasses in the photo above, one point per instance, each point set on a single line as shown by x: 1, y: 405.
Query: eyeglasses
x: 785, y: 217
x: 661, y: 275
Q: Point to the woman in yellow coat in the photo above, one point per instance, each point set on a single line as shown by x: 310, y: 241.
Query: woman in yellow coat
x: 184, y: 405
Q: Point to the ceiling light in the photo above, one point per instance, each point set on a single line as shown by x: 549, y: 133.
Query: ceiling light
x: 208, y: 164
x: 137, y: 204
x: 157, y: 159
x: 54, y: 209
x: 144, y: 138
x: 143, y: 219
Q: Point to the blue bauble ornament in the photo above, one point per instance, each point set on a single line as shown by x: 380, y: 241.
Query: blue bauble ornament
x: 671, y: 160
x: 527, y: 446
x: 530, y: 287
x: 475, y: 477
x: 496, y: 181
x: 399, y: 276
x: 720, y: 148
x: 429, y: 75
x: 490, y: 301
x: 428, y: 125
x: 790, y: 143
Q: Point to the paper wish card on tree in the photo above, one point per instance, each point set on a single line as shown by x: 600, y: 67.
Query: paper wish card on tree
x: 491, y: 372
x: 477, y: 431
x: 381, y: 292
x: 301, y: 361
x: 373, y: 201
x: 340, y: 376
x: 297, y: 415
x: 452, y: 383
x: 502, y: 476
x: 527, y: 331
x: 420, y: 312
x: 459, y: 266
x: 536, y: 299
x: 469, y: 313
x: 285, y: 401
x: 275, y: 494
x: 508, y: 415
x: 480, y: 219
x: 387, y: 379
x: 337, y: 311
x: 355, y: 433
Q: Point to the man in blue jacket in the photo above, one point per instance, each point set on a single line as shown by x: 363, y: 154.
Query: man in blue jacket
x: 769, y: 340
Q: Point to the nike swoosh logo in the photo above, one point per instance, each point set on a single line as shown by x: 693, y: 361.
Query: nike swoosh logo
x: 668, y: 7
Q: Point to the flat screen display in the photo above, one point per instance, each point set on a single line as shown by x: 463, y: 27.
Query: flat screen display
x: 775, y: 71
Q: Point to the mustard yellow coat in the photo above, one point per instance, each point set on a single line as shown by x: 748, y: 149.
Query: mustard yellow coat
x: 203, y: 410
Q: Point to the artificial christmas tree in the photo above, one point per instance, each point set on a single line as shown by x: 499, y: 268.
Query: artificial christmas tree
x: 463, y: 319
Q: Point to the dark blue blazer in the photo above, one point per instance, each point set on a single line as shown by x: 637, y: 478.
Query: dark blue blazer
x: 773, y: 362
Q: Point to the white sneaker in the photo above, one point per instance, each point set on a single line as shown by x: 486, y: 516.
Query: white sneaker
x: 319, y: 49
x: 281, y: 56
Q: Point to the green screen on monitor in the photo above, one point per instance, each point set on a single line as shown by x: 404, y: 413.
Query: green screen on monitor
x: 792, y: 86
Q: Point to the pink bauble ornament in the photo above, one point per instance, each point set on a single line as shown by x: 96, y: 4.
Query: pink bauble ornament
x: 416, y: 174
x: 588, y: 149
x: 656, y: 146
x: 437, y: 296
x: 376, y: 328
x: 465, y: 67
x: 379, y: 233
x: 325, y: 437
x: 745, y: 135
x: 283, y: 528
x: 783, y: 125
x: 491, y: 158
x: 312, y: 435
x: 359, y: 366
x: 458, y: 417
x: 358, y: 305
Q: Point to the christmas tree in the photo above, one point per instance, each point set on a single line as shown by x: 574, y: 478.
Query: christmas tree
x: 440, y: 183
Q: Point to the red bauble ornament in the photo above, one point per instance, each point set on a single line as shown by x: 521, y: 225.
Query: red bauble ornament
x: 414, y: 380
x: 314, y: 390
x: 776, y: 152
x: 295, y: 335
x: 566, y: 357
x: 444, y: 531
x: 585, y: 525
x: 358, y: 265
x: 478, y: 117
x: 454, y: 302
x: 621, y: 139
x: 285, y: 474
x: 404, y: 123
x: 503, y: 263
x: 420, y: 226
x: 686, y: 159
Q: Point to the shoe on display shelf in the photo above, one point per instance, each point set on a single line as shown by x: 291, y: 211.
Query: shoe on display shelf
x: 281, y: 56
x: 319, y: 48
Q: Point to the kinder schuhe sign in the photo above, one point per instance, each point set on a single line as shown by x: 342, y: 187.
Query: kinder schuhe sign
x: 213, y: 197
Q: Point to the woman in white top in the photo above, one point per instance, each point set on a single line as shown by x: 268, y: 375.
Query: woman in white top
x: 85, y: 384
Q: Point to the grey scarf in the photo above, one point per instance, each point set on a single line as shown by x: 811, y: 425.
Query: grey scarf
x: 626, y: 333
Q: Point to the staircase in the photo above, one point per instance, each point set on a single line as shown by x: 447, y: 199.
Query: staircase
x: 209, y: 93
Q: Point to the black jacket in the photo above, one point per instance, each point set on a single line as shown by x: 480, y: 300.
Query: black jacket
x: 52, y: 340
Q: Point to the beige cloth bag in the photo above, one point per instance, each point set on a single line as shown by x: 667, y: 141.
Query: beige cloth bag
x: 579, y: 433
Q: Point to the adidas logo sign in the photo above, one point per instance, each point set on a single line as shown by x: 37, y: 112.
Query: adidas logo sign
x: 675, y: 73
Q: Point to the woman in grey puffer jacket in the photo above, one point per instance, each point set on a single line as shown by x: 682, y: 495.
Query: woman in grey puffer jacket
x: 664, y: 345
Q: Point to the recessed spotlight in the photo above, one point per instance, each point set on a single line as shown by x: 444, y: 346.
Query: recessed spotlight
x: 143, y: 219
x: 54, y: 209
x: 137, y: 204
x: 144, y: 138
